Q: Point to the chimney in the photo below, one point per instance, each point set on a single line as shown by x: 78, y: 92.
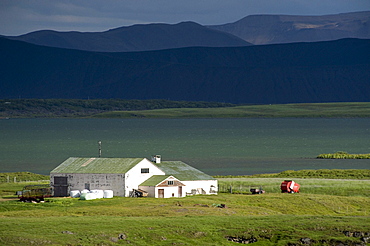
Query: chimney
x: 156, y: 158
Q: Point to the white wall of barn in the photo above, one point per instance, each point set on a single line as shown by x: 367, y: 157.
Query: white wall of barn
x: 134, y: 177
x: 169, y: 191
x: 209, y: 187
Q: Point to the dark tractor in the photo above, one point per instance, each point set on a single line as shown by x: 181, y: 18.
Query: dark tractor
x: 34, y: 193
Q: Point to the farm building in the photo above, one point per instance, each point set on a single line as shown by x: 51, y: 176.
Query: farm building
x: 155, y: 178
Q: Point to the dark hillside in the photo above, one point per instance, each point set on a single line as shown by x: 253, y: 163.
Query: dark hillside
x: 135, y: 38
x: 337, y: 71
x: 331, y: 53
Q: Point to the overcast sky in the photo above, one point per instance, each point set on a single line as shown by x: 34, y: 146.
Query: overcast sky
x: 23, y: 16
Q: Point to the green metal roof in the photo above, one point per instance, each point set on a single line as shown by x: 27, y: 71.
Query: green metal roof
x: 96, y: 165
x: 178, y: 169
x: 182, y: 171
x: 154, y: 180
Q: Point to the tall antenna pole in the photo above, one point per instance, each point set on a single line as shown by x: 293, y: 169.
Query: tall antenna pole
x: 99, y: 148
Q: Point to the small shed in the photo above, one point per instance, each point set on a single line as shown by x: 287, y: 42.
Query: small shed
x: 163, y: 186
x: 195, y: 181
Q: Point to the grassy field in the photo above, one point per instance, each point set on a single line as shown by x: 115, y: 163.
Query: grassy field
x: 325, y: 212
x: 336, y: 187
x: 310, y: 173
x: 79, y: 108
x: 110, y: 108
x: 310, y: 110
x: 21, y: 176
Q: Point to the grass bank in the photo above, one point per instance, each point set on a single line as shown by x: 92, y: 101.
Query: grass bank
x: 343, y: 155
x: 312, y: 173
x: 118, y: 108
x: 14, y: 177
x: 309, y: 110
x: 77, y: 108
x: 336, y: 187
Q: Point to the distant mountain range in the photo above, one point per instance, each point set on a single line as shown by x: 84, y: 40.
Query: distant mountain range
x: 273, y: 29
x: 334, y: 71
x: 191, y: 62
x: 136, y: 38
x: 254, y: 29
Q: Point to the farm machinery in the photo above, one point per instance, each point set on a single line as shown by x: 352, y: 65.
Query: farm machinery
x: 289, y: 186
x: 34, y: 193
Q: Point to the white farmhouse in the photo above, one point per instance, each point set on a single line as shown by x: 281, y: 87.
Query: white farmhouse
x: 156, y: 178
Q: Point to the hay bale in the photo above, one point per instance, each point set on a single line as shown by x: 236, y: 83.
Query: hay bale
x: 87, y: 196
x: 98, y: 193
x: 108, y: 194
x: 75, y: 193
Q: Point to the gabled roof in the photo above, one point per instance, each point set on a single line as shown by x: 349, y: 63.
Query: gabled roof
x: 155, y: 180
x: 96, y: 165
x: 182, y: 171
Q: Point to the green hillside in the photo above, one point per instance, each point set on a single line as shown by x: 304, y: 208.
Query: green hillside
x: 117, y: 108
x: 56, y: 108
x: 309, y: 110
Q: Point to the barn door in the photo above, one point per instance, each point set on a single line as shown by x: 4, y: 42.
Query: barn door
x: 60, y: 186
x: 160, y: 193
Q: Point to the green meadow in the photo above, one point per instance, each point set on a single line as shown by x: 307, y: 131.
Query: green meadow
x: 327, y: 211
x: 157, y: 108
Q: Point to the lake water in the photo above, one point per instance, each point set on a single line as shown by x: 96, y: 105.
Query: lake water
x: 215, y: 146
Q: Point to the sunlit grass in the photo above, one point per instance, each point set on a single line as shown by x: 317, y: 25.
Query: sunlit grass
x: 338, y: 187
x: 274, y: 219
x: 312, y: 173
x: 322, y: 211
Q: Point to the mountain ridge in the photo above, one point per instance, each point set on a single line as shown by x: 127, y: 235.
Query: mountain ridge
x: 250, y: 30
x: 140, y: 37
x: 334, y: 71
x: 273, y: 29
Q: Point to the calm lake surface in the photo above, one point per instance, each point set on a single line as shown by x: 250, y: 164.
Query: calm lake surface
x: 215, y: 146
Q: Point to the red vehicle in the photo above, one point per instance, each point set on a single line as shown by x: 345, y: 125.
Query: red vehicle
x: 289, y: 186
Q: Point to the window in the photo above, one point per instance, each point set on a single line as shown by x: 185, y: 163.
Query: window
x: 170, y: 182
x: 145, y: 170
